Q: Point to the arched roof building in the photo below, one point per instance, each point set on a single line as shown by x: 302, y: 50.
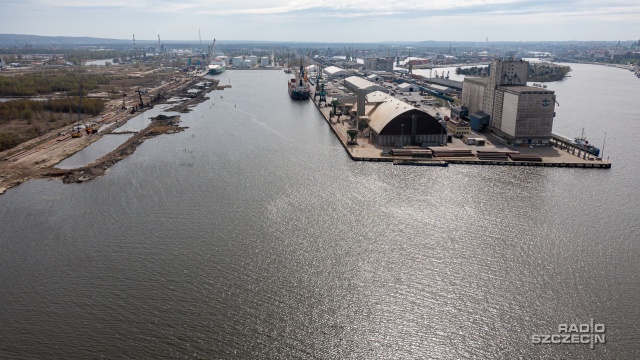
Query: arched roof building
x: 393, y: 122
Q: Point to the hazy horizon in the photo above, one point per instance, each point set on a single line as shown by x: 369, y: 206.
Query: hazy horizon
x: 360, y: 21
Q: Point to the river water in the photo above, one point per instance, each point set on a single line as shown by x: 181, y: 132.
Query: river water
x: 252, y: 235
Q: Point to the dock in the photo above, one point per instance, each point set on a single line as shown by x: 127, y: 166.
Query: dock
x: 557, y: 154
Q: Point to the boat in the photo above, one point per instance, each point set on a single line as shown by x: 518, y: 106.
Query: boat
x: 299, y: 88
x: 217, y: 66
x: 582, y: 144
x: 218, y: 63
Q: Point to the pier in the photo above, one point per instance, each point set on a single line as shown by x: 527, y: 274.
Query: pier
x: 558, y: 154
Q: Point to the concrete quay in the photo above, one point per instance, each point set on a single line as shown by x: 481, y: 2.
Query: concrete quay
x: 552, y: 156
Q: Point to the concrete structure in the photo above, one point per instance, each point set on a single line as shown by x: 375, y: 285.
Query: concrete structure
x: 2, y: 63
x: 351, y: 65
x: 379, y: 64
x: 356, y: 83
x: 253, y: 59
x: 519, y: 113
x: 334, y: 72
x: 247, y: 63
x: 237, y: 61
x: 393, y: 122
x: 264, y: 61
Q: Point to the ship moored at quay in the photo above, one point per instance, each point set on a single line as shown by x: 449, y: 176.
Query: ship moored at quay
x: 298, y: 87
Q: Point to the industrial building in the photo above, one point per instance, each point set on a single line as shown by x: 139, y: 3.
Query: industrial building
x: 2, y: 63
x: 356, y: 83
x: 393, y: 122
x: 505, y: 105
x: 264, y: 61
x: 334, y: 72
x: 407, y: 87
x: 379, y: 64
x: 375, y: 78
x: 237, y: 61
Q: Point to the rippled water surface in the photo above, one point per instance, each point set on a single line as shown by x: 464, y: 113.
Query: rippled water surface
x: 252, y: 235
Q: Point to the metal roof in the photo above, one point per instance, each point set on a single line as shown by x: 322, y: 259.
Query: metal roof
x: 333, y: 70
x: 357, y: 82
x: 382, y: 108
x: 407, y: 85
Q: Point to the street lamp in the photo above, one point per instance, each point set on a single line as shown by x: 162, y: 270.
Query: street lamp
x: 401, y: 135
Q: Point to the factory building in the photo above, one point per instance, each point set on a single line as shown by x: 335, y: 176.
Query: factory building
x: 334, y: 72
x: 393, y: 122
x: 379, y: 64
x: 505, y: 105
x: 355, y: 83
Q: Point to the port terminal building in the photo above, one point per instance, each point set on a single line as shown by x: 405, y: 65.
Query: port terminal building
x: 505, y: 105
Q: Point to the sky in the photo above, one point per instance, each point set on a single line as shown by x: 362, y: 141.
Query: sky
x: 327, y: 20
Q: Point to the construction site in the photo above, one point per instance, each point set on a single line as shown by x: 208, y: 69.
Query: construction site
x: 131, y: 91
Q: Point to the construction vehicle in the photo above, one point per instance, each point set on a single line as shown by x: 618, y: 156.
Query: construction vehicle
x: 75, y: 132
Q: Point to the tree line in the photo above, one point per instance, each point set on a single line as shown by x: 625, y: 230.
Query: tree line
x: 25, y: 109
x: 38, y: 84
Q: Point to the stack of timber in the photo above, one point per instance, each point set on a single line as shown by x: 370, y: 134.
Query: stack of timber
x: 411, y: 152
x: 525, y: 157
x: 495, y: 155
x: 441, y: 151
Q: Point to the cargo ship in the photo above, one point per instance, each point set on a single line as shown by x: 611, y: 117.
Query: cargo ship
x: 218, y: 63
x: 217, y: 66
x: 299, y: 88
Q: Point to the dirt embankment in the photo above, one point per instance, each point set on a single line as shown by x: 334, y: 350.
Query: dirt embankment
x: 160, y: 125
x: 36, y: 158
x: 185, y: 107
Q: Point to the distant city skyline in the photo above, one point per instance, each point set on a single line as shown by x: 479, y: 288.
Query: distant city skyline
x: 328, y: 20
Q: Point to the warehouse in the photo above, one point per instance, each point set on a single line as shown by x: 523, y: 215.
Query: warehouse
x: 355, y: 83
x: 393, y: 122
x: 334, y: 72
x: 406, y: 87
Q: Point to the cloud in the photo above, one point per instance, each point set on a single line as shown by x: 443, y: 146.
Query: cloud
x: 608, y: 9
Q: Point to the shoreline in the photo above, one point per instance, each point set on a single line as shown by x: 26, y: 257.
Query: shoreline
x: 37, y: 158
